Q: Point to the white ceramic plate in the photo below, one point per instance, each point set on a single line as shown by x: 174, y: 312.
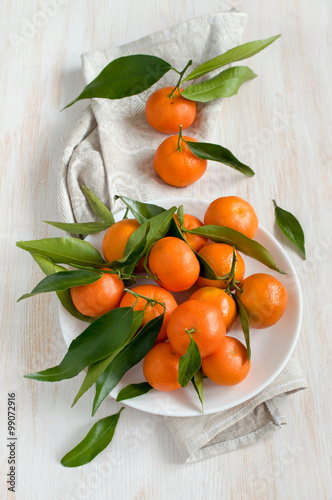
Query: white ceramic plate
x: 271, y: 348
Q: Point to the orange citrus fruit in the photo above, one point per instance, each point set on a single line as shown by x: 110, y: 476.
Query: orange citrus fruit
x: 220, y: 299
x: 99, y: 297
x: 220, y: 257
x: 178, y: 167
x: 174, y: 264
x: 264, y: 298
x: 153, y: 309
x: 228, y: 364
x: 233, y: 212
x: 166, y: 113
x: 202, y: 320
x: 191, y: 222
x: 116, y: 238
x: 161, y: 367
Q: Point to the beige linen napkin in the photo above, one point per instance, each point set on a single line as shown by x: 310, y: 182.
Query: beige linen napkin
x: 111, y: 149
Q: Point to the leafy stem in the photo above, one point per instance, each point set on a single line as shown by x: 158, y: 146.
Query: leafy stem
x: 181, y: 73
x: 231, y: 282
x: 149, y: 300
x: 179, y: 148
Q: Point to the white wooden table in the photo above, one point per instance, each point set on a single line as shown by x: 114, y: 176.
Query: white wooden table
x: 281, y: 124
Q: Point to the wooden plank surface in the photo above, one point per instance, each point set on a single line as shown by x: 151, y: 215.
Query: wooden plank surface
x: 281, y: 125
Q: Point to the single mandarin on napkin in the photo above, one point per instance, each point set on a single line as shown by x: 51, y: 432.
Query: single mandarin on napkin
x: 220, y: 257
x: 173, y: 264
x: 153, y: 309
x: 228, y: 364
x: 203, y: 321
x: 264, y: 298
x: 100, y: 297
x: 166, y: 110
x: 161, y: 367
x: 176, y: 164
x: 233, y: 212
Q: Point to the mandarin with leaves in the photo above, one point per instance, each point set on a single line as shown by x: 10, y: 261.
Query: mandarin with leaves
x: 220, y: 257
x: 232, y: 212
x: 173, y: 264
x: 153, y: 308
x: 176, y: 164
x: 116, y: 238
x: 100, y: 297
x: 264, y: 298
x: 196, y: 241
x: 202, y: 320
x: 166, y: 110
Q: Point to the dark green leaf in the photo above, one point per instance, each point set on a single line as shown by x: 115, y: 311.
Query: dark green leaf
x: 96, y: 369
x: 241, y: 242
x: 214, y: 152
x: 99, y: 340
x: 64, y: 250
x: 132, y: 354
x: 100, y: 209
x: 159, y: 226
x: 189, y: 363
x: 226, y: 84
x: 141, y: 211
x: 49, y: 267
x: 125, y: 76
x: 197, y: 382
x: 239, y: 53
x: 134, y: 390
x: 63, y: 280
x: 83, y: 228
x: 243, y: 315
x: 291, y: 228
x: 96, y: 440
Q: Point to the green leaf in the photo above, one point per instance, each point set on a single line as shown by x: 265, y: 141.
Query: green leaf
x: 83, y: 228
x: 243, y: 315
x: 63, y: 280
x: 291, y: 228
x: 197, y: 382
x: 189, y: 363
x: 49, y: 267
x: 125, y: 76
x: 99, y: 340
x: 132, y: 354
x: 226, y: 84
x: 133, y: 391
x: 64, y: 250
x: 252, y: 248
x: 214, y: 152
x: 99, y: 208
x: 180, y: 214
x: 96, y: 369
x: 239, y: 53
x: 141, y: 211
x: 96, y: 440
x: 159, y: 226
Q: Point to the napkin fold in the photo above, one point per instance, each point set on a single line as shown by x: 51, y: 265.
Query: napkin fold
x: 111, y: 149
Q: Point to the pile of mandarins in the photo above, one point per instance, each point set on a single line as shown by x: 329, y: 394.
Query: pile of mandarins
x: 210, y: 312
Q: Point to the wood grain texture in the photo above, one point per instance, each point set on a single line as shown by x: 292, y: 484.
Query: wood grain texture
x: 281, y: 125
